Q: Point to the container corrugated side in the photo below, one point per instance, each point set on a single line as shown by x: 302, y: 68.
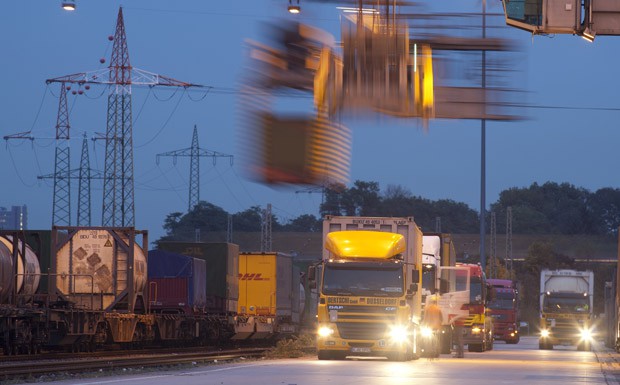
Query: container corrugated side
x: 222, y: 268
x: 257, y: 284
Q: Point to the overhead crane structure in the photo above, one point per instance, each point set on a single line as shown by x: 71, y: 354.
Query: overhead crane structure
x: 585, y: 18
x: 378, y: 73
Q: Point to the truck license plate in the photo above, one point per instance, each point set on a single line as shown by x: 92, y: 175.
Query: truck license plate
x: 360, y: 350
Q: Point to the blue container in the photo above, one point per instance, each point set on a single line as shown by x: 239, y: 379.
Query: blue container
x: 177, y: 283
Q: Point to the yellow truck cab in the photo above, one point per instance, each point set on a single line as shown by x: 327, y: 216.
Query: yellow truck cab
x: 369, y: 302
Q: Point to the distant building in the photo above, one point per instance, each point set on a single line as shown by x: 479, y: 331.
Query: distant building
x: 14, y: 219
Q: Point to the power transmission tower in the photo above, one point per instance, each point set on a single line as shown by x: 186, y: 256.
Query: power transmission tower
x: 61, y: 212
x: 84, y: 217
x: 194, y: 152
x: 493, y: 262
x: 229, y: 229
x: 84, y: 175
x: 265, y: 239
x: 509, y: 239
x: 118, y: 183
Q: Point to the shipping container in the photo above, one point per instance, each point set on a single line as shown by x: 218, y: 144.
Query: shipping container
x: 27, y: 272
x: 269, y: 295
x: 100, y: 268
x: 222, y: 260
x: 6, y: 273
x: 38, y: 246
x: 177, y: 283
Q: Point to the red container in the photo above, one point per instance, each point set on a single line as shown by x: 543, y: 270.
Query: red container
x: 176, y: 283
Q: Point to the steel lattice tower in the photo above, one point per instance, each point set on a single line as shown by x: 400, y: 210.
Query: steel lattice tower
x: 84, y: 175
x: 194, y: 153
x: 84, y: 203
x: 118, y: 185
x: 61, y: 214
x: 118, y: 192
x: 493, y: 262
x: 509, y: 238
x: 266, y: 230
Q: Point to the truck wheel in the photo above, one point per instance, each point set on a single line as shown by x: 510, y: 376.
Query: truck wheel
x: 489, y: 344
x: 446, y: 342
x: 324, y: 355
x: 544, y: 346
x: 475, y: 347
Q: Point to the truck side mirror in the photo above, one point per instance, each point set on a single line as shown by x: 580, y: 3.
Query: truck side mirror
x: 444, y: 286
x: 312, y: 277
x: 413, y: 288
x: 415, y: 276
x: 311, y: 273
x: 491, y: 293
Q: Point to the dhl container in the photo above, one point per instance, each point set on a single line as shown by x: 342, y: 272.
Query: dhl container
x: 99, y: 267
x: 177, y: 283
x: 222, y: 260
x: 269, y: 287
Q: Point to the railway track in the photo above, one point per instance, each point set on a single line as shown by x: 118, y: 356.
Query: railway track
x: 38, y: 368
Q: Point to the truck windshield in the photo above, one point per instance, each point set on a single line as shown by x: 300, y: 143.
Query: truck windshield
x: 475, y: 294
x: 553, y: 304
x: 503, y: 301
x: 363, y: 281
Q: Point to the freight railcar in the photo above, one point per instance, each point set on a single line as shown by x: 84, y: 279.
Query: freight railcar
x: 80, y: 288
x: 93, y: 292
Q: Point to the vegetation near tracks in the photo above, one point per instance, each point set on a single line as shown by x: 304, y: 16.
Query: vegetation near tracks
x: 294, y: 347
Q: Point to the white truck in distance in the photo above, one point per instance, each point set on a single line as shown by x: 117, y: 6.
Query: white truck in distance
x: 566, y: 300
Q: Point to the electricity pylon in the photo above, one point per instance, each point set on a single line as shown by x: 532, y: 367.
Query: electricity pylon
x: 118, y: 180
x: 194, y: 152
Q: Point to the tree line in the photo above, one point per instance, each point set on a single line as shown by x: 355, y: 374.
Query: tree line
x: 550, y: 208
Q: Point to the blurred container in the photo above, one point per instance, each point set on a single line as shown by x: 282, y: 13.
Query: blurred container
x: 94, y: 268
x: 222, y: 260
x: 177, y: 283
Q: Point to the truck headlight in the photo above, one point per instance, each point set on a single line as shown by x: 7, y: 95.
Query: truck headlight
x: 544, y: 333
x: 398, y: 333
x: 586, y: 335
x: 425, y: 331
x: 476, y: 329
x: 325, y: 331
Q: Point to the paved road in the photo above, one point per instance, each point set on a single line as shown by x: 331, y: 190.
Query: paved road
x: 506, y: 364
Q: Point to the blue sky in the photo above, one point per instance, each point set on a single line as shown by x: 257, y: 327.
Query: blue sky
x: 203, y: 42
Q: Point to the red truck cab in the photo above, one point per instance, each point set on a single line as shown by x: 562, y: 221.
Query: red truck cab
x: 505, y: 310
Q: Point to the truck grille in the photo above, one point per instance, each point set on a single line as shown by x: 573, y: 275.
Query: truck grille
x: 565, y: 328
x: 362, y: 330
x: 363, y: 322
